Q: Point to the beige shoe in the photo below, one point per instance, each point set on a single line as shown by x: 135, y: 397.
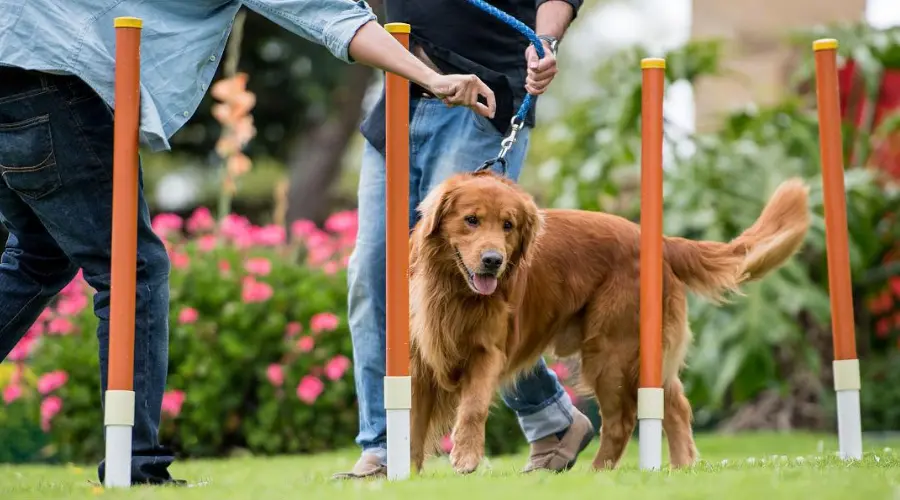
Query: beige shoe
x: 559, y: 454
x: 368, y: 466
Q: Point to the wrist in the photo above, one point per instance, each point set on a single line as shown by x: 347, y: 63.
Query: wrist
x: 550, y: 42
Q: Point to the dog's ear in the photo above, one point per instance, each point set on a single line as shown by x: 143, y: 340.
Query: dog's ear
x: 532, y: 225
x: 434, y: 207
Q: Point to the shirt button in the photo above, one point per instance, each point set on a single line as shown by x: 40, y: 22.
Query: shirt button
x: 186, y: 114
x: 212, y: 58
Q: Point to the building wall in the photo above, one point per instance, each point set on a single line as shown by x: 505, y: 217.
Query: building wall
x: 756, y: 61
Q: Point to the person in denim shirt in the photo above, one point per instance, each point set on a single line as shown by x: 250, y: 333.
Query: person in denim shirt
x: 56, y: 130
x: 455, y: 36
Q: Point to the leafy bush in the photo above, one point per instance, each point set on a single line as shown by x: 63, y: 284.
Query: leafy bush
x: 777, y: 337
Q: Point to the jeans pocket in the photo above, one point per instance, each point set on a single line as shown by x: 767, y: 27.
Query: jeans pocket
x: 27, y: 160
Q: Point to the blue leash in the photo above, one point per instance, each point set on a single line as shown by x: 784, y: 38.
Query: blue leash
x: 519, y: 119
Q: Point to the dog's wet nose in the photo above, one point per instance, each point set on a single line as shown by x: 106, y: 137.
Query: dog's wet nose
x: 491, y: 260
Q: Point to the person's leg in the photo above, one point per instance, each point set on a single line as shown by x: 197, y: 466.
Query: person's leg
x: 366, y: 309
x: 366, y: 306
x: 56, y: 152
x: 457, y: 140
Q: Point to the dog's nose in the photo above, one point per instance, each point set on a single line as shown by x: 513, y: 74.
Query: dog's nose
x: 491, y: 260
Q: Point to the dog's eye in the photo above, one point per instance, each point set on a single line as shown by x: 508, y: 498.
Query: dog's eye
x: 507, y: 225
x: 472, y: 220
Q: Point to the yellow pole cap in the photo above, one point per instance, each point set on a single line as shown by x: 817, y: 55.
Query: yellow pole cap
x: 825, y: 44
x: 128, y: 22
x: 653, y: 62
x: 397, y: 27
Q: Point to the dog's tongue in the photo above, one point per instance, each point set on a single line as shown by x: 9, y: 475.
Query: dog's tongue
x: 485, y: 284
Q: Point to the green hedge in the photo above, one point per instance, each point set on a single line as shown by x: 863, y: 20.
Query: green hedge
x: 260, y: 352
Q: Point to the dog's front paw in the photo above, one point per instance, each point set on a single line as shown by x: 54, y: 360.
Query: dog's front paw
x: 465, y: 461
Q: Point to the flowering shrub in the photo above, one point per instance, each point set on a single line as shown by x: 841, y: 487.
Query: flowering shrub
x: 259, y: 354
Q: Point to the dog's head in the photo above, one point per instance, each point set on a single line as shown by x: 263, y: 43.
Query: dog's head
x: 488, y: 226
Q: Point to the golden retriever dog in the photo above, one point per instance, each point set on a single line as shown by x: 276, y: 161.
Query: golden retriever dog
x: 495, y: 283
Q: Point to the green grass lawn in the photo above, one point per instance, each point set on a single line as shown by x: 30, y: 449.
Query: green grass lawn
x: 757, y: 466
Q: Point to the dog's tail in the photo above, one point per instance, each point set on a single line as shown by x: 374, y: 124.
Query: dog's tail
x: 711, y: 269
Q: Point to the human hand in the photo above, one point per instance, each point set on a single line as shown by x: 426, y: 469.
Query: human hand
x: 540, y: 71
x: 463, y: 90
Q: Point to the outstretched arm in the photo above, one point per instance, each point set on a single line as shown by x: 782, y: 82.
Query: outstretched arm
x: 350, y: 31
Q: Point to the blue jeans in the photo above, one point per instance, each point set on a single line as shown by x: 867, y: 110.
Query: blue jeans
x: 443, y: 141
x: 56, y: 153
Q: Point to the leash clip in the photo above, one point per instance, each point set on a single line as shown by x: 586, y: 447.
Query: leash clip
x: 507, y: 143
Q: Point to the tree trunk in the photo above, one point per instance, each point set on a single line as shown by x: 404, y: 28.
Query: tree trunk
x: 315, y: 159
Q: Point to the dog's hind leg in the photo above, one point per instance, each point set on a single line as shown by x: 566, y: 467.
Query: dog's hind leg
x: 617, y: 399
x: 677, y: 424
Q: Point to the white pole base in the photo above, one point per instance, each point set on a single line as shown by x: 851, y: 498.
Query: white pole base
x: 849, y: 425
x: 650, y: 443
x: 398, y: 461
x: 846, y: 386
x: 118, y: 456
x: 397, y: 403
x: 651, y: 401
x: 119, y: 420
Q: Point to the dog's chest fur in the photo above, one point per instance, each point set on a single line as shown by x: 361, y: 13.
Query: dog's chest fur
x: 447, y: 331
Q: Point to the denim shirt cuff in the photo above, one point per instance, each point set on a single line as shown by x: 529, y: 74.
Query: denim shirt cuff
x: 338, y: 34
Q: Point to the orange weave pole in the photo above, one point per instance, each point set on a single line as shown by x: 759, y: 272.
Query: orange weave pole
x: 653, y: 82
x: 397, y: 216
x: 831, y: 149
x: 124, y: 205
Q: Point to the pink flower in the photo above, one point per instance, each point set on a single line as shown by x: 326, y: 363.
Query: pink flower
x: 74, y: 287
x: 331, y: 267
x: 323, y: 322
x: 561, y: 370
x: 309, y: 389
x: 172, y: 401
x: 60, y: 326
x: 188, y: 316
x: 293, y: 329
x: 52, y: 381
x: 234, y: 226
x: 275, y: 374
x: 23, y: 349
x: 269, y: 236
x: 71, y: 305
x: 259, y: 266
x: 336, y: 367
x: 179, y: 260
x: 50, y: 406
x: 12, y: 392
x: 164, y: 224
x: 344, y: 223
x: 255, y: 291
x: 207, y: 242
x: 306, y: 343
x: 45, y: 315
x: 446, y: 444
x: 201, y: 220
x: 224, y: 266
x: 302, y: 228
